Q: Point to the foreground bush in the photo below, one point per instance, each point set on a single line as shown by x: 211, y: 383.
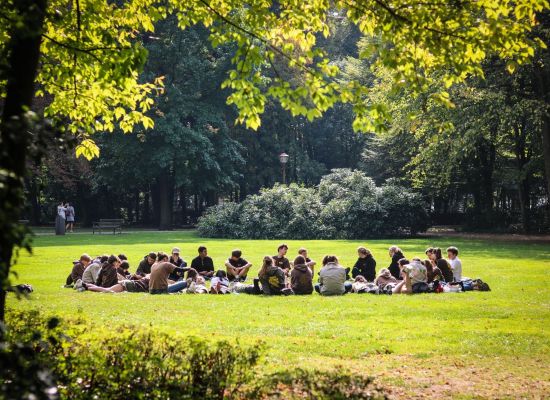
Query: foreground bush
x: 346, y: 205
x: 126, y: 363
x: 50, y: 359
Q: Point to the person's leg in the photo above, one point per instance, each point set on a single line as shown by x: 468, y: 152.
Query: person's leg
x: 243, y: 272
x: 94, y: 288
x: 347, y: 287
x: 317, y: 288
x: 257, y: 286
x: 232, y: 273
x: 177, y: 287
x: 347, y: 273
x: 399, y: 288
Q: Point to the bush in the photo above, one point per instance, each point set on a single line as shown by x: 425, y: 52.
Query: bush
x: 131, y: 362
x: 49, y: 359
x: 346, y: 205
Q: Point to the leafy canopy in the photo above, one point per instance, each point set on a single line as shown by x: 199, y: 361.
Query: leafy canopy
x: 92, y: 54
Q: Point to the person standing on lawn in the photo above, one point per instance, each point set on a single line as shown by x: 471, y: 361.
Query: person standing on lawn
x: 70, y: 215
x: 60, y: 219
x: 237, y: 267
x: 203, y: 264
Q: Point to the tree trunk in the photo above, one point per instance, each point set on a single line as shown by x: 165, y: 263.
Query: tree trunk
x: 166, y: 201
x: 21, y: 67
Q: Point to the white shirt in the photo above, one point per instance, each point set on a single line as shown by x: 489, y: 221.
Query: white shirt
x: 61, y: 211
x: 456, y: 267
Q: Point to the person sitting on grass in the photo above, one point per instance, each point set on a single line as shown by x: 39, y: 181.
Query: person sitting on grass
x: 272, y: 277
x: 92, y: 271
x: 456, y: 264
x: 237, y: 267
x: 365, y: 265
x: 385, y: 278
x: 78, y: 269
x: 178, y: 262
x: 396, y: 254
x: 127, y: 285
x: 442, y: 264
x: 144, y: 266
x: 309, y: 262
x: 279, y: 260
x: 123, y: 270
x: 332, y: 278
x: 433, y: 273
x: 108, y: 275
x: 203, y: 264
x: 301, y: 277
x: 161, y: 270
x: 219, y: 283
x: 414, y: 278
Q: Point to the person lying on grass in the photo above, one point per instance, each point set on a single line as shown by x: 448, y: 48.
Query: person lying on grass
x: 237, y: 267
x: 219, y: 283
x: 196, y: 287
x: 385, y: 279
x: 128, y: 285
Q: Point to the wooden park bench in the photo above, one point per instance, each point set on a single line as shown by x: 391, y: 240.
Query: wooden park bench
x: 107, y: 224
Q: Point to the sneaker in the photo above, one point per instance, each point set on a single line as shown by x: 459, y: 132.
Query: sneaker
x: 78, y: 284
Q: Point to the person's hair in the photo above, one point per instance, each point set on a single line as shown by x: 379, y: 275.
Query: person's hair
x: 330, y: 259
x: 437, y: 252
x: 360, y: 278
x: 236, y: 253
x: 302, y: 250
x: 104, y: 258
x: 429, y: 250
x: 268, y: 262
x: 192, y: 274
x: 299, y: 260
x: 152, y: 255
x: 112, y: 259
x: 162, y: 256
x: 201, y: 249
x: 395, y: 249
x: 403, y: 261
x: 122, y: 257
x: 124, y: 264
x: 417, y: 259
x: 428, y: 265
x: 383, y: 271
x: 364, y: 250
x: 220, y: 274
x: 453, y: 250
x: 85, y: 257
x: 282, y: 246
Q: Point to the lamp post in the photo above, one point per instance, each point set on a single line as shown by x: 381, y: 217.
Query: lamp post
x: 283, y: 158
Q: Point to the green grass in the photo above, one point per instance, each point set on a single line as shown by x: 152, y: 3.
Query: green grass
x: 503, y: 333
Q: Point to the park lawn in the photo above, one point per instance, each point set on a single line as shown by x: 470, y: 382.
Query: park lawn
x: 491, y: 344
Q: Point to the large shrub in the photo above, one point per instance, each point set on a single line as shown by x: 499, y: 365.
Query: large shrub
x: 346, y: 205
x: 74, y: 359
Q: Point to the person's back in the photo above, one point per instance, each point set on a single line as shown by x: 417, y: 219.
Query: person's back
x: 273, y: 280
x: 159, y: 277
x: 332, y: 278
x: 301, y: 279
x: 445, y: 269
x: 91, y: 272
x: 385, y: 278
x: 107, y: 276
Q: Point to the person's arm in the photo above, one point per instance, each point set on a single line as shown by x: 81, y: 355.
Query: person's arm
x: 139, y: 270
x: 408, y: 284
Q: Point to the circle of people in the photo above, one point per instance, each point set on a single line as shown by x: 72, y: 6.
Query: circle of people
x: 159, y: 273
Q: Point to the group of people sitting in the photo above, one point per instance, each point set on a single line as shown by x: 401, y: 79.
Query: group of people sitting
x: 159, y: 273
